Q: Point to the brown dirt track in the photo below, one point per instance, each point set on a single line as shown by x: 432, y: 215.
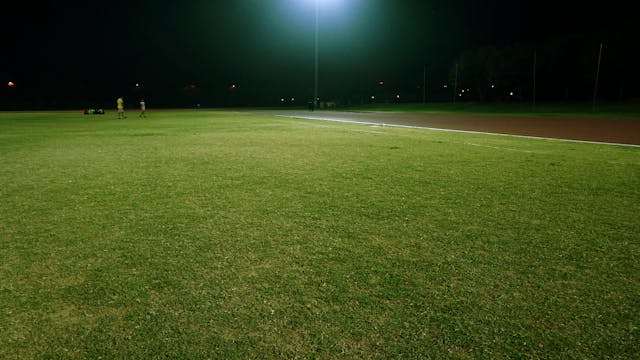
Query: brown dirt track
x: 617, y: 131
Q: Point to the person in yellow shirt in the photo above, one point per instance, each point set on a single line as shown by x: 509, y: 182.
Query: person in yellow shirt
x: 120, y: 104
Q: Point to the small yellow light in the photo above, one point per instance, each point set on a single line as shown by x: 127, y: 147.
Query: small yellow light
x: 11, y: 84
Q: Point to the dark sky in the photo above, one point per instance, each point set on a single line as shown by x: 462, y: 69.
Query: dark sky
x: 71, y: 52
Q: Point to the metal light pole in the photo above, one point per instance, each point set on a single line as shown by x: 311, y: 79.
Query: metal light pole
x: 595, y: 86
x: 535, y: 60
x: 424, y: 84
x: 455, y: 85
x: 315, y: 84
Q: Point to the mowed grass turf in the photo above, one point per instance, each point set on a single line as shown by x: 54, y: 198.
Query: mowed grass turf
x: 231, y: 235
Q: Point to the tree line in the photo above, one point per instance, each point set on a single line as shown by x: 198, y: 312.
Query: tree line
x: 567, y: 68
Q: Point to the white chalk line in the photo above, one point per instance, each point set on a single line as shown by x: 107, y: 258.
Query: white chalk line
x: 344, y: 129
x: 386, y: 133
x: 502, y: 148
x: 351, y: 121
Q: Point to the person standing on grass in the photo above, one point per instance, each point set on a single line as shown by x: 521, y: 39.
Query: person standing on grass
x: 120, y: 104
x: 143, y: 108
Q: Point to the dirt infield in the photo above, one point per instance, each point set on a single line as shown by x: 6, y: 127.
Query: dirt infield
x: 616, y: 131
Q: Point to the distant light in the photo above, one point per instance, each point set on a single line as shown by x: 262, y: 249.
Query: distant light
x: 381, y: 82
x: 137, y: 85
x: 511, y: 93
x: 11, y: 84
x: 468, y: 90
x: 293, y: 99
x: 326, y: 2
x: 397, y: 96
x: 459, y: 94
x: 372, y: 97
x: 282, y: 100
x: 492, y: 86
x: 445, y: 86
x: 463, y: 91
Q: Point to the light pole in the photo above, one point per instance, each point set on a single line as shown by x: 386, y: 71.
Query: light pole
x: 315, y: 77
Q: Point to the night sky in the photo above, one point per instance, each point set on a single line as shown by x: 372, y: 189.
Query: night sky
x: 77, y: 54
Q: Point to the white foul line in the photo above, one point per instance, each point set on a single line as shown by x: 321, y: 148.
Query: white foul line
x: 452, y: 130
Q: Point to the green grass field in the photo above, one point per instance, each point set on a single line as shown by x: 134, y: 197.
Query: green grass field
x: 230, y: 235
